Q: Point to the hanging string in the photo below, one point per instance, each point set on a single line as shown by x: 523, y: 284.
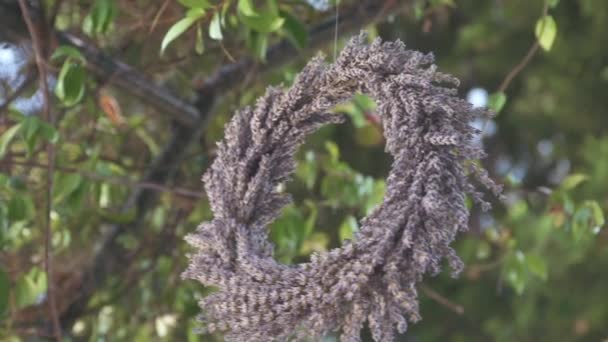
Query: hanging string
x: 336, y: 29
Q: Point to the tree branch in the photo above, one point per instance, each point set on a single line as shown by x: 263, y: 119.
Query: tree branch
x: 31, y: 77
x: 526, y: 60
x: 35, y: 30
x: 116, y: 180
x: 457, y: 308
x: 109, y: 258
x: 351, y: 19
x: 130, y: 80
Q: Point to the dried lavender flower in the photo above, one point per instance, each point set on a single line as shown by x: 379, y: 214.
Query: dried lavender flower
x: 372, y: 279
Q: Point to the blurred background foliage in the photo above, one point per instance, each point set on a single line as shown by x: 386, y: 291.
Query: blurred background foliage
x: 124, y: 183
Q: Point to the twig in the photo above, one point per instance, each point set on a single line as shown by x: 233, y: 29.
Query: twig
x: 132, y: 81
x: 457, y: 308
x: 525, y: 61
x: 487, y: 266
x: 519, y: 67
x: 18, y: 92
x: 157, y: 17
x: 230, y: 58
x: 116, y: 180
x: 42, y: 78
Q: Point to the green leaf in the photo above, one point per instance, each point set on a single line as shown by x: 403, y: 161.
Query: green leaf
x: 377, y: 195
x: 358, y: 110
x: 483, y: 250
x: 497, y: 101
x: 333, y: 150
x: 177, y: 30
x: 118, y: 217
x: 215, y: 27
x: 596, y: 212
x: 580, y: 223
x: 48, y: 132
x: 5, y: 286
x: 553, y: 3
x: 101, y: 16
x: 546, y: 30
x: 225, y: 9
x: 365, y: 102
x: 290, y: 229
x: 354, y: 112
x: 515, y: 271
x: 309, y: 225
x: 7, y: 137
x: 573, y: 180
x: 537, y: 266
x: 419, y: 10
x: 517, y: 281
x: 148, y: 139
x: 263, y: 23
x: 246, y: 8
x: 348, y: 228
x: 65, y: 185
x: 34, y: 130
x: 317, y: 242
x: 296, y: 31
x: 68, y: 52
x: 199, y: 47
x: 259, y: 45
x: 31, y: 125
x: 203, y: 4
x: 70, y: 83
x: 368, y: 135
x: 273, y: 7
x: 87, y: 25
x: 518, y: 210
x: 16, y: 183
x: 307, y: 170
x: 30, y: 287
x: 195, y: 13
x: 17, y: 208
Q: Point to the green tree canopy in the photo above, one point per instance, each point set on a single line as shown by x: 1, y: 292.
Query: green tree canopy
x: 109, y: 114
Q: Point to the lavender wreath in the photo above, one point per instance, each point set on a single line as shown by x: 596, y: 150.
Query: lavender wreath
x: 428, y: 133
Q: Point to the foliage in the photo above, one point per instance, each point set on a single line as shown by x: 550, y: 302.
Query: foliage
x: 534, y: 265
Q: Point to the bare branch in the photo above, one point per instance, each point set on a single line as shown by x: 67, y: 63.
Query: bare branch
x: 34, y: 30
x: 130, y: 80
x: 117, y: 180
x: 525, y: 61
x: 457, y: 308
x: 17, y: 92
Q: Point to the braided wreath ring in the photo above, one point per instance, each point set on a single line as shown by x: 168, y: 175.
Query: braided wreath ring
x: 428, y: 133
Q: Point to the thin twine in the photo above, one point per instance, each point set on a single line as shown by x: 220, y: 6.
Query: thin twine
x: 336, y: 29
